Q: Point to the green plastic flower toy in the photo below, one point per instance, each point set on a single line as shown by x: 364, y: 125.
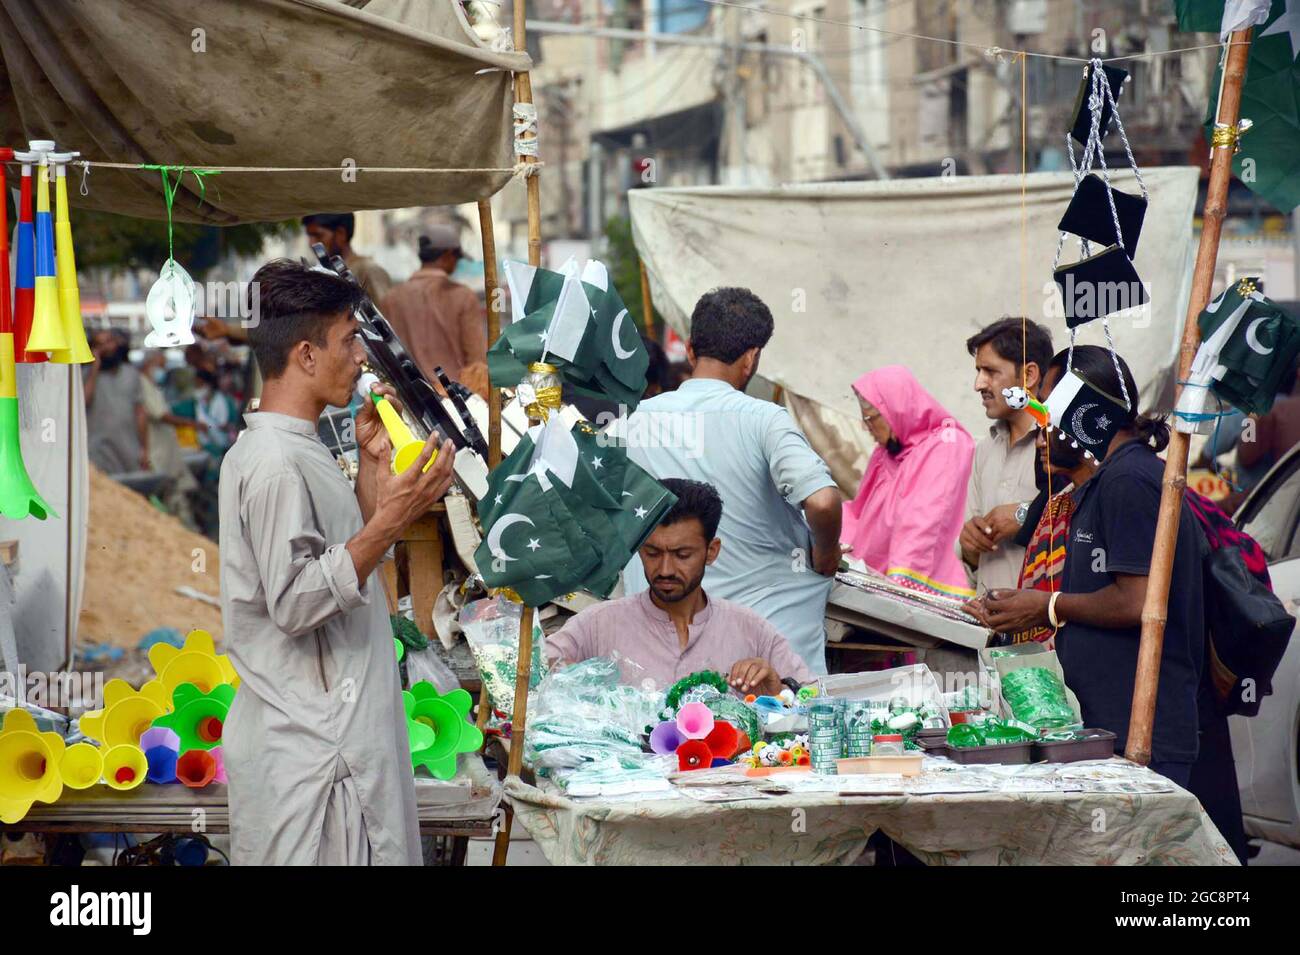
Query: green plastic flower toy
x: 198, y: 717
x: 447, y: 719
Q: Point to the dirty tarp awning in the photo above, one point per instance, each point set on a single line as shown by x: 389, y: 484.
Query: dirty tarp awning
x: 864, y: 274
x: 298, y: 83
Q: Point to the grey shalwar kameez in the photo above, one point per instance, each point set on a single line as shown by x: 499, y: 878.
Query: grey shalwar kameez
x: 315, y: 744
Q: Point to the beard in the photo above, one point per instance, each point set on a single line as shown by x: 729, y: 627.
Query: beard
x: 114, y: 358
x: 679, y: 593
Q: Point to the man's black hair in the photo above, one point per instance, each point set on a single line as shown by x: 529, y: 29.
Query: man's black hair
x: 1016, y: 340
x: 333, y: 220
x: 695, y: 499
x: 428, y: 252
x: 294, y: 304
x: 1095, y: 366
x: 727, y: 322
x: 656, y: 372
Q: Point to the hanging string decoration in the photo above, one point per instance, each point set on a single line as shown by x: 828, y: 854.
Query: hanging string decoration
x: 1100, y: 283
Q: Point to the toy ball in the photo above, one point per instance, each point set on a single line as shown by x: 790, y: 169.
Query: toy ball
x: 1017, y: 397
x: 771, y: 755
x: 750, y: 697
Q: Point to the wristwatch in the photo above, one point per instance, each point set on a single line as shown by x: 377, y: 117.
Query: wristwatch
x: 1022, y: 513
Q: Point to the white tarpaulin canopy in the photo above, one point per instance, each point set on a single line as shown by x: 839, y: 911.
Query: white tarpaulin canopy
x: 864, y: 274
x: 282, y: 83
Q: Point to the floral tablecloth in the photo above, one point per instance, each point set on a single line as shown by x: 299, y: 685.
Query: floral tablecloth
x: 987, y: 828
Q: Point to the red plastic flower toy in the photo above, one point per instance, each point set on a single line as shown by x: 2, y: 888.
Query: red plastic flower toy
x: 694, y: 754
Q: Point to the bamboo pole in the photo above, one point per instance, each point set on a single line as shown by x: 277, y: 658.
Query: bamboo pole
x: 523, y: 671
x: 524, y: 94
x: 518, y: 725
x: 1155, y: 607
x: 492, y: 286
x: 647, y: 306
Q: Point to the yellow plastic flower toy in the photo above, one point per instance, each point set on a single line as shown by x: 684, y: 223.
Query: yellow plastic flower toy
x: 127, y: 712
x: 82, y: 766
x: 196, y: 662
x: 29, y: 765
x: 125, y: 766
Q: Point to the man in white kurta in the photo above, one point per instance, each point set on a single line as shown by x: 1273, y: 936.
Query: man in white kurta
x: 315, y: 744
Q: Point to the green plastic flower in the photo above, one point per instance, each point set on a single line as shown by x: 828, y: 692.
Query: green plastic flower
x: 198, y: 718
x: 439, y: 728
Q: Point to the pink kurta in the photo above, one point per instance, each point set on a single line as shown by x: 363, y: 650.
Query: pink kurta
x: 644, y: 640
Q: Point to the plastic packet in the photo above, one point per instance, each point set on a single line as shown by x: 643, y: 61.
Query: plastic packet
x: 584, y: 713
x: 491, y: 627
x: 1036, y: 696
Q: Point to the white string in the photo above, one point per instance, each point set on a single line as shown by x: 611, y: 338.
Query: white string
x: 938, y: 39
x: 86, y: 164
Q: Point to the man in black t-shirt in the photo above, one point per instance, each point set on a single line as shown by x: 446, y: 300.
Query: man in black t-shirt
x: 1108, y: 555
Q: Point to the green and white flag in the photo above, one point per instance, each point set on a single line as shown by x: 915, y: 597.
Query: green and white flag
x: 534, y: 546
x: 605, y: 504
x: 1248, y: 345
x: 1269, y: 160
x: 576, y: 322
x: 624, y: 359
x: 645, y: 501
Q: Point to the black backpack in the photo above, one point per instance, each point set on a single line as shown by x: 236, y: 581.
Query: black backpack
x: 1247, y: 626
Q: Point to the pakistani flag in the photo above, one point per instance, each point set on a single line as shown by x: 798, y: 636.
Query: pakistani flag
x: 1248, y: 346
x: 645, y: 501
x: 534, y: 546
x: 1269, y: 161
x: 577, y: 322
x: 602, y: 504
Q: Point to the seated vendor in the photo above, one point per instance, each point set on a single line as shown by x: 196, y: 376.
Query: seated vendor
x: 674, y: 628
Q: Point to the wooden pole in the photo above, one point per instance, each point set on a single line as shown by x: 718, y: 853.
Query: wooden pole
x: 647, y: 306
x: 518, y: 724
x: 1155, y: 607
x: 492, y: 286
x: 518, y: 720
x: 524, y: 94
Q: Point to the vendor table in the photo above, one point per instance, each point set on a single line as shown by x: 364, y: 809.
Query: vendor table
x: 462, y: 807
x: 989, y: 828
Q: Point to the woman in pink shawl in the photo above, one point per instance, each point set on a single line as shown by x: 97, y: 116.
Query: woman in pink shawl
x: 909, y: 510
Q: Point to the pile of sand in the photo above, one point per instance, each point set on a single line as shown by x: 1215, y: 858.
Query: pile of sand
x: 136, y: 557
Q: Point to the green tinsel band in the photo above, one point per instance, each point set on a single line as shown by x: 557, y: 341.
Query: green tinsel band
x: 703, y: 678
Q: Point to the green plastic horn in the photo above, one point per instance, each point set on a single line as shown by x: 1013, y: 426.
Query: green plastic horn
x: 198, y: 718
x: 448, y: 718
x: 18, y: 496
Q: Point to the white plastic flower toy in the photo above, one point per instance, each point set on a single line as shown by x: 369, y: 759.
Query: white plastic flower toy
x: 171, y: 307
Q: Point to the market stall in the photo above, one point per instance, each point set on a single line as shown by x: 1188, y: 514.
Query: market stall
x: 1032, y: 818
x: 125, y: 123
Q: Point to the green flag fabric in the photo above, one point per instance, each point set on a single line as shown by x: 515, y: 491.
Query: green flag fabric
x: 533, y: 545
x: 1260, y: 352
x: 578, y: 323
x: 565, y: 511
x: 1269, y: 160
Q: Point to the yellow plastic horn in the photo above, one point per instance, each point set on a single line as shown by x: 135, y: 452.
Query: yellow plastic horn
x: 406, y: 446
x: 78, y: 351
x: 29, y: 765
x: 82, y: 765
x: 196, y: 662
x: 125, y: 766
x: 47, y: 323
x: 127, y: 713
